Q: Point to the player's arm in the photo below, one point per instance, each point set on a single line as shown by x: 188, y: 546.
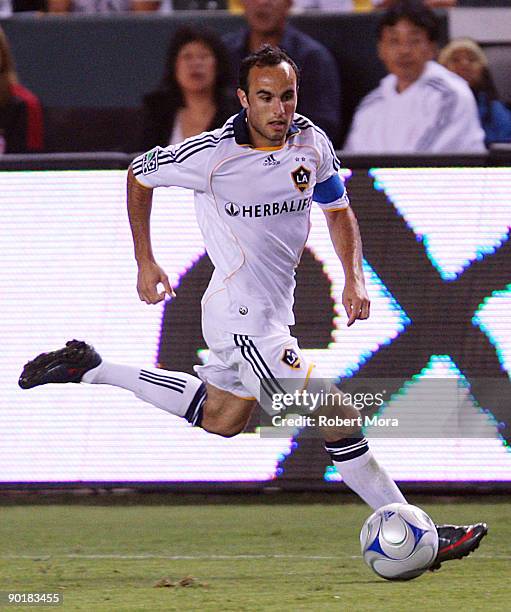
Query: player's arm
x: 187, y: 165
x: 330, y: 194
x: 150, y: 275
x: 345, y: 235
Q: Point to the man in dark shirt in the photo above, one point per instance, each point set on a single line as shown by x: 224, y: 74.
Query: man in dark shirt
x: 320, y: 91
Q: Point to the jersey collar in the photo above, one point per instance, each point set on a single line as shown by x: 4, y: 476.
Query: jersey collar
x: 242, y: 137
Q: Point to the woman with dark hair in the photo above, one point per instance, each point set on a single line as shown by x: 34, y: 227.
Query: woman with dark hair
x: 466, y: 58
x: 193, y: 96
x: 21, y: 117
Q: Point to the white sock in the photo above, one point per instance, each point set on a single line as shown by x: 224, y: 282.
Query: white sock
x: 362, y: 473
x: 175, y: 392
x: 369, y: 480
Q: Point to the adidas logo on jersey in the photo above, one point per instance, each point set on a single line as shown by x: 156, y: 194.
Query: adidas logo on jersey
x: 271, y: 161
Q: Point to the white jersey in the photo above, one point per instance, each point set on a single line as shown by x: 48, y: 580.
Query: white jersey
x: 436, y: 114
x: 253, y: 208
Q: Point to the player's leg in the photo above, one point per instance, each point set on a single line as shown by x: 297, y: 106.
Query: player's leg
x: 178, y: 393
x: 268, y: 363
x: 360, y: 471
x: 225, y: 414
x: 202, y: 404
x: 352, y: 457
x: 274, y: 365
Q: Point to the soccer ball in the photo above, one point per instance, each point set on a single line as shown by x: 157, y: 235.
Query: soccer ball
x: 399, y: 541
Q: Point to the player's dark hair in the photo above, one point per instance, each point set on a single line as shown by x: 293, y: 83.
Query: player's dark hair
x: 413, y: 11
x: 210, y: 39
x: 265, y: 56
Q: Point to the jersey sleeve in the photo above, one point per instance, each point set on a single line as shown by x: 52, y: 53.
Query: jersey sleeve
x: 183, y: 165
x: 329, y: 191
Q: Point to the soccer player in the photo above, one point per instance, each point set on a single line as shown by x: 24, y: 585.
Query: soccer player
x: 254, y: 181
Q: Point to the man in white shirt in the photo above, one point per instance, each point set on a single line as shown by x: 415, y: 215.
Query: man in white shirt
x: 420, y: 107
x: 254, y: 181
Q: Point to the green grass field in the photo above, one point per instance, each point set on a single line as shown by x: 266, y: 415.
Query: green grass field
x: 243, y: 553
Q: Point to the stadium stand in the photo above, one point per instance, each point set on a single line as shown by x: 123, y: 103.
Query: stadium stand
x: 88, y: 54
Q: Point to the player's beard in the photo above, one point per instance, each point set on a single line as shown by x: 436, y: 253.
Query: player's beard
x: 273, y: 137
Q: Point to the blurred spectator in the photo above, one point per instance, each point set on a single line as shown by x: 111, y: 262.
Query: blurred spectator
x: 320, y: 91
x: 420, y: 107
x: 101, y: 6
x: 332, y: 6
x: 385, y: 4
x: 193, y: 96
x: 361, y: 6
x: 21, y: 117
x: 466, y: 58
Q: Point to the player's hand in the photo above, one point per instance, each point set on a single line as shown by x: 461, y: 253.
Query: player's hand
x: 150, y: 275
x: 356, y: 302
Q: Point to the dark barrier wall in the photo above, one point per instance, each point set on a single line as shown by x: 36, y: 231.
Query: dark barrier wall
x: 98, y: 61
x: 438, y: 256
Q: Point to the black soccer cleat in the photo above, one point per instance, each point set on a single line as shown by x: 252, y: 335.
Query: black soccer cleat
x: 66, y: 365
x: 456, y: 542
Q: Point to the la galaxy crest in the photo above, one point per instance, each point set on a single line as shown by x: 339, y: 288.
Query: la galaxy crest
x: 291, y: 359
x: 301, y: 178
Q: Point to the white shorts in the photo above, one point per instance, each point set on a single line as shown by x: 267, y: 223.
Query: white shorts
x: 248, y: 366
